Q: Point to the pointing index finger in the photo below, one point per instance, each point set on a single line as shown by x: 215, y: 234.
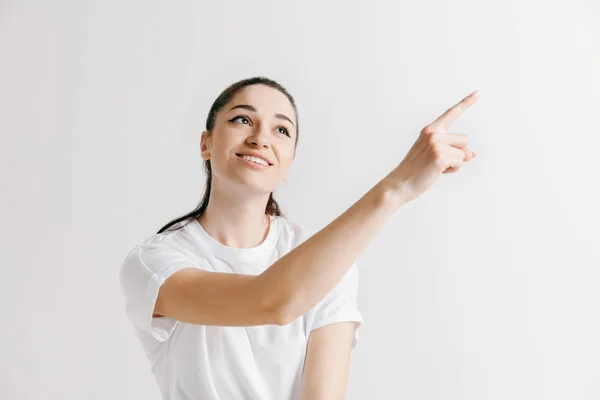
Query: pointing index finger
x: 445, y: 120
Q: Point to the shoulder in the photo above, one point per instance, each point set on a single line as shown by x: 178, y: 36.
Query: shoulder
x: 155, y: 250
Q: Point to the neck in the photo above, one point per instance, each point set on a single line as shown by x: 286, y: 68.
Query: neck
x: 235, y: 219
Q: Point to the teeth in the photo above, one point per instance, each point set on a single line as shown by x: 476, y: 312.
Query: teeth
x: 255, y: 159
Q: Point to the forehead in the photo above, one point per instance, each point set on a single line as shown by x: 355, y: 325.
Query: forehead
x: 267, y: 101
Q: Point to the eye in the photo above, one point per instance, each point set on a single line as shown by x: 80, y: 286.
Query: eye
x: 242, y: 118
x: 285, y: 131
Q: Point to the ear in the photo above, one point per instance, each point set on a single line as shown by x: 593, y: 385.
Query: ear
x: 204, y: 146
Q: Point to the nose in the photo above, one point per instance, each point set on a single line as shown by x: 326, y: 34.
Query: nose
x: 259, y: 138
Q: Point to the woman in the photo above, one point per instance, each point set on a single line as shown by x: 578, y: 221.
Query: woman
x: 234, y: 301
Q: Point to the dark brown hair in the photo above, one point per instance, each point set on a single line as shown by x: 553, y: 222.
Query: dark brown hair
x: 224, y: 98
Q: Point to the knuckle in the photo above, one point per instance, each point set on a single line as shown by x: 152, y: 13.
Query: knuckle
x: 427, y: 131
x: 433, y: 138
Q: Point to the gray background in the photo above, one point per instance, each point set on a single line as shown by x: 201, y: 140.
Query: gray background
x: 483, y: 288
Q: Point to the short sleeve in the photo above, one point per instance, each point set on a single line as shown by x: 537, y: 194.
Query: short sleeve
x: 144, y: 270
x: 339, y: 305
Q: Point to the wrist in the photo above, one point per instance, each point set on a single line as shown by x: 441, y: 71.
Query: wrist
x: 394, y: 191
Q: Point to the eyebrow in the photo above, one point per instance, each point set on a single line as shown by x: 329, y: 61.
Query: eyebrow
x: 250, y: 108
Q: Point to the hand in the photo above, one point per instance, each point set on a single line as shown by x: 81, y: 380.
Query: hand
x: 434, y: 153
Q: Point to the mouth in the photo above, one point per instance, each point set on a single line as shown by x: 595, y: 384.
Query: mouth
x: 268, y: 164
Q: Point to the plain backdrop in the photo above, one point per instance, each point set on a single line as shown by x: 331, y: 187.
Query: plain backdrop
x: 486, y: 287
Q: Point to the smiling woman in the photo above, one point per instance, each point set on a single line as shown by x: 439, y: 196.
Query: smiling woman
x: 242, y: 303
x: 201, y: 278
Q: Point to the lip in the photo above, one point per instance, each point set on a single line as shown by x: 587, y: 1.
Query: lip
x: 254, y: 154
x: 252, y: 164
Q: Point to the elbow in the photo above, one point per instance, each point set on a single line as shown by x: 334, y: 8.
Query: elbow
x: 278, y: 305
x: 284, y: 316
x: 281, y: 313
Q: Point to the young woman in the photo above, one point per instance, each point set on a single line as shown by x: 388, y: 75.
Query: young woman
x: 234, y: 301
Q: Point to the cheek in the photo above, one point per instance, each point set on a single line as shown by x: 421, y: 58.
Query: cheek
x: 286, y: 158
x: 223, y: 148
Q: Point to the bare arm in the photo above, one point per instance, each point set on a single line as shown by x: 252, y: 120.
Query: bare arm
x: 289, y: 287
x: 327, y: 362
x: 299, y: 279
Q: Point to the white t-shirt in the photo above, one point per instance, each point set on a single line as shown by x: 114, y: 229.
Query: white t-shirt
x: 192, y: 361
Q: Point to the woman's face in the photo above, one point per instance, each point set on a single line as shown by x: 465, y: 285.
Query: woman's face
x: 260, y: 120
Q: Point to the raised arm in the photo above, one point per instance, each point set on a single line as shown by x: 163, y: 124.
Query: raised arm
x: 299, y: 279
x: 289, y: 287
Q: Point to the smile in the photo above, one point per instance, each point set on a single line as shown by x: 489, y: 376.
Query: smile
x: 253, y: 162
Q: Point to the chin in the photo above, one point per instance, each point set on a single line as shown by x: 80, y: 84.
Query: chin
x: 255, y: 186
